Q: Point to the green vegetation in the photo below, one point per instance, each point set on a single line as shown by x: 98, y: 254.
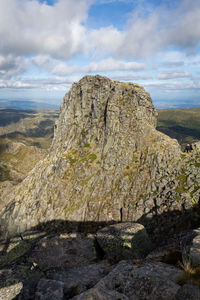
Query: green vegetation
x: 4, y: 173
x: 87, y: 145
x: 18, y: 250
x: 182, y: 187
x: 190, y: 275
x: 181, y: 124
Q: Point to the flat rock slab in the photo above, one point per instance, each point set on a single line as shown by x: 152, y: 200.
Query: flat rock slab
x: 78, y: 279
x: 152, y: 281
x: 49, y: 290
x: 124, y: 240
x: 17, y: 279
x: 10, y: 292
x: 16, y: 247
x: 188, y: 292
x: 102, y: 294
x: 195, y: 251
x: 63, y: 251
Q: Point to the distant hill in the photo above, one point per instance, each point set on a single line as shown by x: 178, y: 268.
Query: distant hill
x: 181, y: 124
x: 24, y: 105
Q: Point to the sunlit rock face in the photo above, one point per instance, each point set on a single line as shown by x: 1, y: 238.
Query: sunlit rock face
x: 107, y: 162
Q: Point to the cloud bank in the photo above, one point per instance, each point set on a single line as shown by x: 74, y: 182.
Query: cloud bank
x: 56, y: 44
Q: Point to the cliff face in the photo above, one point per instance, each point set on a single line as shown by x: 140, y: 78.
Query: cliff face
x: 106, y: 163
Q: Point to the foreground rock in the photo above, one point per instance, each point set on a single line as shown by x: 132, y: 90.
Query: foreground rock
x: 49, y: 290
x: 64, y: 250
x: 124, y: 240
x: 188, y: 292
x: 154, y: 281
x: 84, y: 276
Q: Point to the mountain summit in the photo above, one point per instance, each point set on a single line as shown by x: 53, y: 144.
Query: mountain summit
x: 107, y: 162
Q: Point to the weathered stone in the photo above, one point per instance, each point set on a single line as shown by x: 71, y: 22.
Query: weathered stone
x: 195, y: 251
x: 102, y: 294
x: 188, y: 292
x: 77, y: 279
x: 154, y: 281
x: 174, y: 249
x: 124, y: 240
x: 63, y: 251
x: 11, y: 291
x: 14, y: 278
x: 49, y: 290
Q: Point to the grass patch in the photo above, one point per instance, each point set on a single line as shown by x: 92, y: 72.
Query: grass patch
x: 4, y: 173
x: 190, y: 275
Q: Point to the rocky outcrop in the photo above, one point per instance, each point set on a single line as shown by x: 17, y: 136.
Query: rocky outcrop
x: 124, y: 240
x: 108, y: 163
x: 72, y: 270
x: 155, y: 281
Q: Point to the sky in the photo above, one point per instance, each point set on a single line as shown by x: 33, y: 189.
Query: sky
x: 45, y: 46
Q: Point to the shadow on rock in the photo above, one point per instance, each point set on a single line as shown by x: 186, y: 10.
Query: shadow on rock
x: 64, y: 259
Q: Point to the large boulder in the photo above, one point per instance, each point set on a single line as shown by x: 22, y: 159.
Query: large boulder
x: 63, y: 250
x: 195, y: 249
x: 102, y: 294
x: 124, y: 240
x: 188, y: 292
x: 152, y: 281
x: 77, y: 279
x: 49, y: 290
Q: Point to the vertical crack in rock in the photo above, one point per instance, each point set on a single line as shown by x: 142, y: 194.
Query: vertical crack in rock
x: 105, y: 113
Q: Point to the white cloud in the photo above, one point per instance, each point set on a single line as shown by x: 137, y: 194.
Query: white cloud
x: 173, y: 74
x: 50, y: 38
x: 31, y: 27
x: 148, y: 32
x: 111, y: 64
x: 175, y: 85
x: 51, y: 83
x: 129, y: 76
x: 11, y: 66
x: 171, y: 64
x: 61, y: 68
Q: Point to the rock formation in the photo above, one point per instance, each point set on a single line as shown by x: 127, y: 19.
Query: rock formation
x: 107, y: 163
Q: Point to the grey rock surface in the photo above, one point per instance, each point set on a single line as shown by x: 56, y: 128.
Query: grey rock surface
x: 49, y: 290
x: 63, y: 251
x: 102, y: 294
x: 77, y: 279
x: 155, y: 281
x: 85, y: 278
x: 188, y: 292
x: 124, y: 240
x: 195, y: 250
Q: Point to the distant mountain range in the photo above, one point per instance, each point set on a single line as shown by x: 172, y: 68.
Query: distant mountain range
x: 26, y: 104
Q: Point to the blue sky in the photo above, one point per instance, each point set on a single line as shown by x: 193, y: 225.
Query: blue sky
x: 47, y: 45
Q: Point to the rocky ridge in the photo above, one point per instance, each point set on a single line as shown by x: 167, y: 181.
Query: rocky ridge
x: 107, y: 163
